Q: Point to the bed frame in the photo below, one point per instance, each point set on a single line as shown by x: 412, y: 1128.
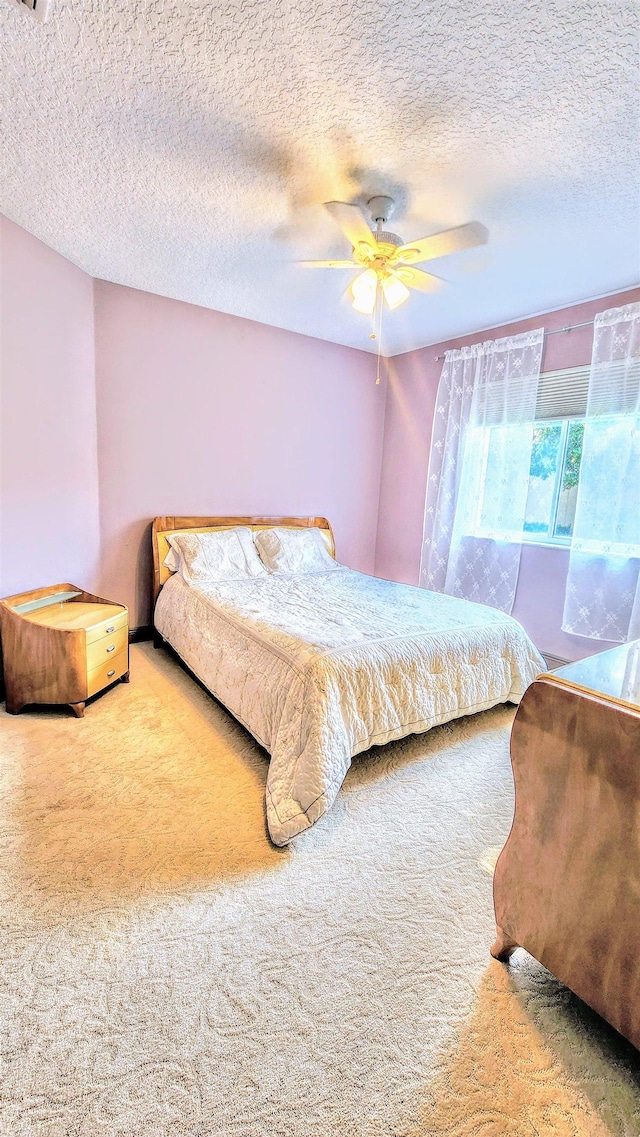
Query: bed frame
x: 165, y: 527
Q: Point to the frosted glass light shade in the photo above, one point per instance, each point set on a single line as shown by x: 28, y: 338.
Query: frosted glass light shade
x: 394, y: 291
x: 363, y: 290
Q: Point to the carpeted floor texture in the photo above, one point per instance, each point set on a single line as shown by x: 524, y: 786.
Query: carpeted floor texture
x: 164, y: 970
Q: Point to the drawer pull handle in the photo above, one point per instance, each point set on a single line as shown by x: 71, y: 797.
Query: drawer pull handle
x: 111, y: 629
x: 112, y: 648
x: 110, y: 673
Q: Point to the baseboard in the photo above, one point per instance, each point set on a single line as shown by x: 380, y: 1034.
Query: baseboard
x: 140, y: 635
x: 554, y: 661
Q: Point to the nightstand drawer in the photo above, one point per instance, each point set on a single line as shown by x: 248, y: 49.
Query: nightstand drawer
x: 107, y: 672
x: 103, y: 649
x: 107, y: 627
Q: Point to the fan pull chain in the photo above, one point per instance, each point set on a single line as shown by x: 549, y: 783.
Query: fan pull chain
x: 377, y: 312
x: 374, y: 314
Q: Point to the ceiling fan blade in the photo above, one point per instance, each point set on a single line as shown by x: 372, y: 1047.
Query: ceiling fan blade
x: 329, y: 264
x: 416, y: 278
x: 349, y: 219
x: 442, y: 244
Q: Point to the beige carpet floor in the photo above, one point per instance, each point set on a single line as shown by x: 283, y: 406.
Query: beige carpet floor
x: 164, y: 970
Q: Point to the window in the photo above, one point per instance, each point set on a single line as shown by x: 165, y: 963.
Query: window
x: 554, y: 471
x: 553, y: 480
x: 495, y: 462
x: 556, y: 451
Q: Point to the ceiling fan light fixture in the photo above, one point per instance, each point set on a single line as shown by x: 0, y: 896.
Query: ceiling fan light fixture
x: 387, y: 266
x: 394, y: 291
x: 364, y: 291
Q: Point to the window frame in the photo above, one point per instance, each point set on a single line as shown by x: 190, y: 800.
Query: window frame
x: 552, y: 538
x: 565, y: 388
x: 549, y: 539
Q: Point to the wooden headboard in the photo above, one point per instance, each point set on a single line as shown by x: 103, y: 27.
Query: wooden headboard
x: 165, y: 527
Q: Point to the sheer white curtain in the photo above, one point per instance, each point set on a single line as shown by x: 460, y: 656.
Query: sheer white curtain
x: 479, y: 469
x: 602, y: 599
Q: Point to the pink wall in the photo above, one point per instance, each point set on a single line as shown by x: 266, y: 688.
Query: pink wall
x: 48, y: 463
x: 201, y: 412
x: 411, y: 392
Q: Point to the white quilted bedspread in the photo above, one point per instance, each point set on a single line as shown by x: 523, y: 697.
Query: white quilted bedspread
x: 322, y: 666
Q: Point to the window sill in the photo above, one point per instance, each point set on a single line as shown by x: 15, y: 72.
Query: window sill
x: 548, y: 544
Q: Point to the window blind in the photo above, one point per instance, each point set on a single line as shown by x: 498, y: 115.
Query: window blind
x: 563, y: 394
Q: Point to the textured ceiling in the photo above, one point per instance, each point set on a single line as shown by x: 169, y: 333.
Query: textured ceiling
x: 184, y: 148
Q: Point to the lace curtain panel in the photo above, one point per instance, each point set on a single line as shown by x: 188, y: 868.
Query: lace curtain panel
x: 479, y: 469
x: 602, y: 598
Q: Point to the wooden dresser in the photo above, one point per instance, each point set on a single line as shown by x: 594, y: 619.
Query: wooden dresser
x: 567, y: 883
x: 62, y: 645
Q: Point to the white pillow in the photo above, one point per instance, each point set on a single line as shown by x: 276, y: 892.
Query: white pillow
x: 228, y: 554
x: 172, y: 560
x: 293, y: 550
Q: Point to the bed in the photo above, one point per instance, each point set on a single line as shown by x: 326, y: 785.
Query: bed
x: 320, y: 666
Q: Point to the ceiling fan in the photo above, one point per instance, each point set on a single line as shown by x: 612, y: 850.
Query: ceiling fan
x: 386, y: 264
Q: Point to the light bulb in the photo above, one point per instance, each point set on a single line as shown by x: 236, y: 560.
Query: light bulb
x: 394, y: 291
x: 364, y: 289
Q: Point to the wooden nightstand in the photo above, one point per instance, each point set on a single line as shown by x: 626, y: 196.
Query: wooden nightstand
x: 62, y: 645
